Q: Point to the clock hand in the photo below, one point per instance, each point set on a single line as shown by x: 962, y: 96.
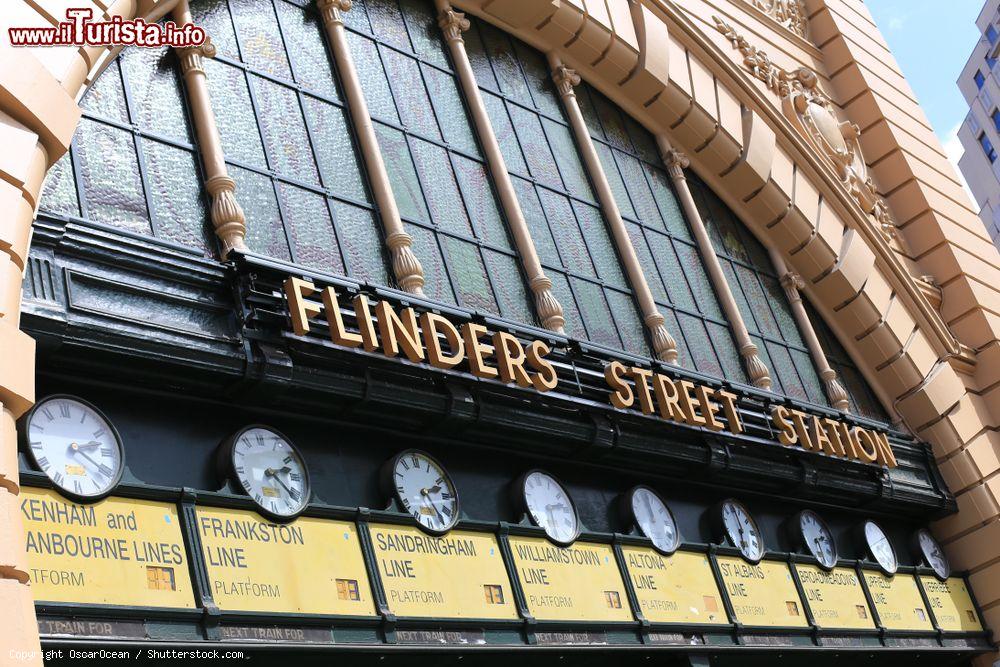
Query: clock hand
x: 76, y: 448
x: 274, y: 475
x: 89, y: 445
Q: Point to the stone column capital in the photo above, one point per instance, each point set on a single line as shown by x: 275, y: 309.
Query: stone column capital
x: 792, y: 283
x: 191, y: 57
x: 676, y: 161
x: 453, y: 24
x: 565, y: 79
x: 331, y: 10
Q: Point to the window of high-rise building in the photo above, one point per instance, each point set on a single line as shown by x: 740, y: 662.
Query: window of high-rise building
x: 987, y: 147
x: 991, y: 34
x: 980, y: 79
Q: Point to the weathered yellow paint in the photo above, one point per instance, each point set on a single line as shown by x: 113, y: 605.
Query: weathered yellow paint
x: 763, y: 594
x: 951, y: 603
x: 577, y: 583
x: 459, y: 575
x: 310, y: 566
x: 835, y: 598
x: 118, y: 551
x: 898, y: 601
x: 679, y: 588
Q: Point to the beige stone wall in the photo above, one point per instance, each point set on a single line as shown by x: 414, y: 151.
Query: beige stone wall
x: 928, y: 346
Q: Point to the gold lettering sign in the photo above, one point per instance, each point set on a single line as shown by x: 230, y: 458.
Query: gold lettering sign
x: 577, y: 583
x: 679, y: 588
x: 309, y: 566
x: 762, y: 594
x: 951, y: 603
x: 460, y: 575
x: 835, y: 598
x: 433, y: 339
x: 898, y: 602
x: 117, y: 551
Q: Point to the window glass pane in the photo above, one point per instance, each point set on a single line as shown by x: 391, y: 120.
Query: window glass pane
x: 436, y: 282
x: 259, y: 37
x: 564, y: 295
x: 112, y: 186
x: 338, y: 160
x: 504, y: 131
x: 505, y: 64
x: 509, y: 285
x: 541, y: 234
x: 402, y: 174
x: 702, y: 353
x: 469, y: 275
x: 362, y: 243
x: 567, y: 159
x: 424, y: 32
x: 535, y: 147
x: 602, y: 248
x: 234, y: 115
x: 284, y: 131
x: 303, y: 32
x: 569, y: 240
x: 213, y: 16
x: 411, y: 96
x: 368, y: 64
x: 596, y: 315
x: 448, y: 106
x: 106, y: 98
x: 265, y: 233
x: 59, y: 190
x: 725, y: 348
x: 482, y: 204
x: 782, y: 367
x: 176, y: 195
x: 440, y: 187
x: 155, y: 91
x: 627, y: 319
x: 312, y: 236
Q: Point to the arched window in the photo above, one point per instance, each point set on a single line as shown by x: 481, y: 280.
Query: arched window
x: 661, y: 238
x: 761, y: 299
x: 559, y: 205
x: 133, y: 164
x: 438, y: 176
x: 286, y: 137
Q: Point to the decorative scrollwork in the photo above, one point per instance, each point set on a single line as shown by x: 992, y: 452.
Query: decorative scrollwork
x: 789, y: 13
x: 814, y: 115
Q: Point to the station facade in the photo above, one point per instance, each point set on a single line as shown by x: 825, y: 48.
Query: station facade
x: 425, y: 330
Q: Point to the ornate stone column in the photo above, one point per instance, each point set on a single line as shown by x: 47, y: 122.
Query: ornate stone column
x: 550, y: 312
x: 793, y: 284
x: 405, y: 265
x: 226, y: 214
x: 676, y: 163
x: 663, y: 343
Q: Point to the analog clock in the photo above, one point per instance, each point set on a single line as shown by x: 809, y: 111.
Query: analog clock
x: 812, y: 532
x: 549, y: 506
x: 425, y: 491
x: 269, y: 469
x: 878, y: 547
x: 928, y: 548
x: 74, y: 444
x: 648, y: 511
x: 741, y: 529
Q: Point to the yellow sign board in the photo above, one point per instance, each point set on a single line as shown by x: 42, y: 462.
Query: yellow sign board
x: 898, y: 601
x: 309, y: 566
x: 762, y: 594
x: 118, y: 551
x: 835, y: 598
x: 576, y: 583
x: 460, y: 575
x: 674, y: 589
x: 951, y: 603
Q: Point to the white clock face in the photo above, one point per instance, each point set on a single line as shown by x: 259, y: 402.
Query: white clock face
x: 880, y: 548
x: 271, y: 471
x: 426, y: 491
x: 550, y: 507
x: 74, y: 445
x: 818, y: 538
x: 933, y: 554
x: 742, y: 531
x: 654, y: 519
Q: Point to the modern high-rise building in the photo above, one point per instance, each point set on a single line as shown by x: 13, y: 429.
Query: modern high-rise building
x: 558, y: 332
x: 980, y: 131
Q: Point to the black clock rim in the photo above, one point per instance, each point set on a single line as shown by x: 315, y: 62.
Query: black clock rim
x: 522, y: 503
x: 390, y: 489
x: 227, y: 458
x: 723, y: 531
x: 801, y: 538
x: 635, y: 520
x: 863, y: 534
x: 25, y: 421
x: 918, y: 550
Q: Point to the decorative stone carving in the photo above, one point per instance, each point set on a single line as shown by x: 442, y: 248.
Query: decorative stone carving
x: 676, y: 162
x: 546, y: 305
x: 405, y: 265
x: 756, y: 370
x: 834, y: 390
x: 331, y: 10
x: 453, y: 24
x: 664, y: 344
x: 226, y: 214
x: 789, y: 13
x: 191, y: 57
x: 814, y: 115
x: 565, y: 79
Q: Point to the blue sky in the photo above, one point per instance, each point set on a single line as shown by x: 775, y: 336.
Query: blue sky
x: 932, y: 41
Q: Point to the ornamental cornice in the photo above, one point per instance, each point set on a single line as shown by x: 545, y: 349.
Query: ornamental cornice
x: 813, y: 114
x: 790, y: 14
